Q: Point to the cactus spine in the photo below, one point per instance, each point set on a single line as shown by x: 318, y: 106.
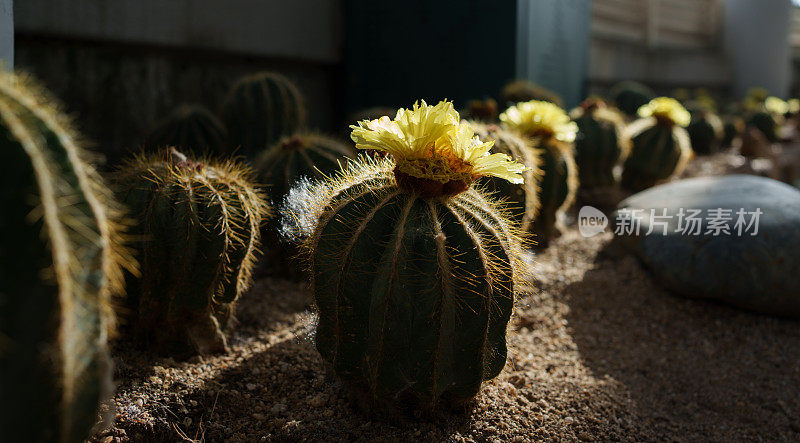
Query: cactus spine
x: 260, y: 110
x: 600, y: 144
x: 522, y: 200
x: 553, y: 133
x: 413, y: 270
x: 60, y: 265
x: 661, y: 146
x: 199, y: 223
x: 192, y: 129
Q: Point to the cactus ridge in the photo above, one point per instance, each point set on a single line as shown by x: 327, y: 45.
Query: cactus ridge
x: 660, y: 151
x: 521, y: 200
x: 601, y: 144
x: 192, y: 129
x: 64, y: 256
x: 440, y: 273
x: 200, y: 225
x: 260, y: 109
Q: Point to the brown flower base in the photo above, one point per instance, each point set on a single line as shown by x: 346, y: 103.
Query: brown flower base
x: 427, y: 188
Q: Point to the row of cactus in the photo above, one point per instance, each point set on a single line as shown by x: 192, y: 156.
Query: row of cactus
x: 61, y: 260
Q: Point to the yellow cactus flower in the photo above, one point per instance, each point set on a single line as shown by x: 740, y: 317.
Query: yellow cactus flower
x: 431, y: 143
x: 666, y: 108
x: 539, y: 118
x: 794, y: 106
x: 776, y: 106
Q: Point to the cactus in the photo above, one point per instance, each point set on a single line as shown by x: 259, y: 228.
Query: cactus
x: 629, y: 96
x: 192, y: 129
x: 60, y: 266
x: 260, y: 110
x: 661, y: 146
x: 600, y: 144
x: 413, y: 270
x: 553, y: 132
x: 280, y: 167
x: 706, y: 131
x: 481, y: 110
x: 199, y: 224
x: 522, y: 91
x: 522, y: 199
x: 766, y: 123
x: 732, y: 128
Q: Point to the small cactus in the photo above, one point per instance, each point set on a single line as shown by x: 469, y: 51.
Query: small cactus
x: 482, y: 110
x: 706, y: 131
x: 523, y: 90
x: 199, y: 228
x: 600, y: 144
x: 629, y: 96
x: 60, y: 264
x: 733, y: 128
x: 303, y: 155
x: 522, y: 199
x: 661, y: 146
x: 413, y: 270
x: 260, y: 110
x: 553, y: 133
x: 192, y: 129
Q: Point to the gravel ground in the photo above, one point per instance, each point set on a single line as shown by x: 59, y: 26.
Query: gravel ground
x: 598, y: 352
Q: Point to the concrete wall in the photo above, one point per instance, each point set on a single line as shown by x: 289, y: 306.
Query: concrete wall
x: 121, y: 66
x: 6, y: 33
x: 296, y: 29
x: 756, y: 39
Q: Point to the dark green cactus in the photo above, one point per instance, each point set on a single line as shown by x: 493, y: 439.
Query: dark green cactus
x: 766, y: 123
x: 413, y: 293
x: 279, y: 168
x: 199, y: 224
x: 522, y: 200
x: 732, y: 128
x: 523, y: 90
x: 629, y: 96
x: 260, y: 110
x: 600, y: 144
x: 192, y: 129
x: 300, y: 155
x: 705, y: 131
x: 60, y: 259
x: 661, y: 146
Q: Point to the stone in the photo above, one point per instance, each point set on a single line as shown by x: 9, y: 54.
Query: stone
x: 757, y: 272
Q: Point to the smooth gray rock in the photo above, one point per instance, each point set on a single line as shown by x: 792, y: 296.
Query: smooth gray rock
x: 759, y: 272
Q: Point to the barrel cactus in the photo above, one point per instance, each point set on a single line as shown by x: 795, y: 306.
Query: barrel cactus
x: 768, y: 117
x: 299, y: 156
x: 191, y: 128
x: 553, y: 133
x: 706, y: 131
x: 661, y: 146
x: 732, y: 129
x: 482, y: 110
x: 413, y: 270
x: 523, y: 90
x: 60, y: 265
x: 600, y: 144
x: 199, y: 224
x: 522, y: 199
x: 629, y: 96
x: 260, y: 110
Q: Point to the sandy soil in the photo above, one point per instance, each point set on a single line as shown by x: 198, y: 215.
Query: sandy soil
x: 598, y: 352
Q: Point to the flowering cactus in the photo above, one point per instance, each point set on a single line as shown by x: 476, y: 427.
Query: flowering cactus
x: 553, y: 133
x: 661, y: 146
x: 413, y: 270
